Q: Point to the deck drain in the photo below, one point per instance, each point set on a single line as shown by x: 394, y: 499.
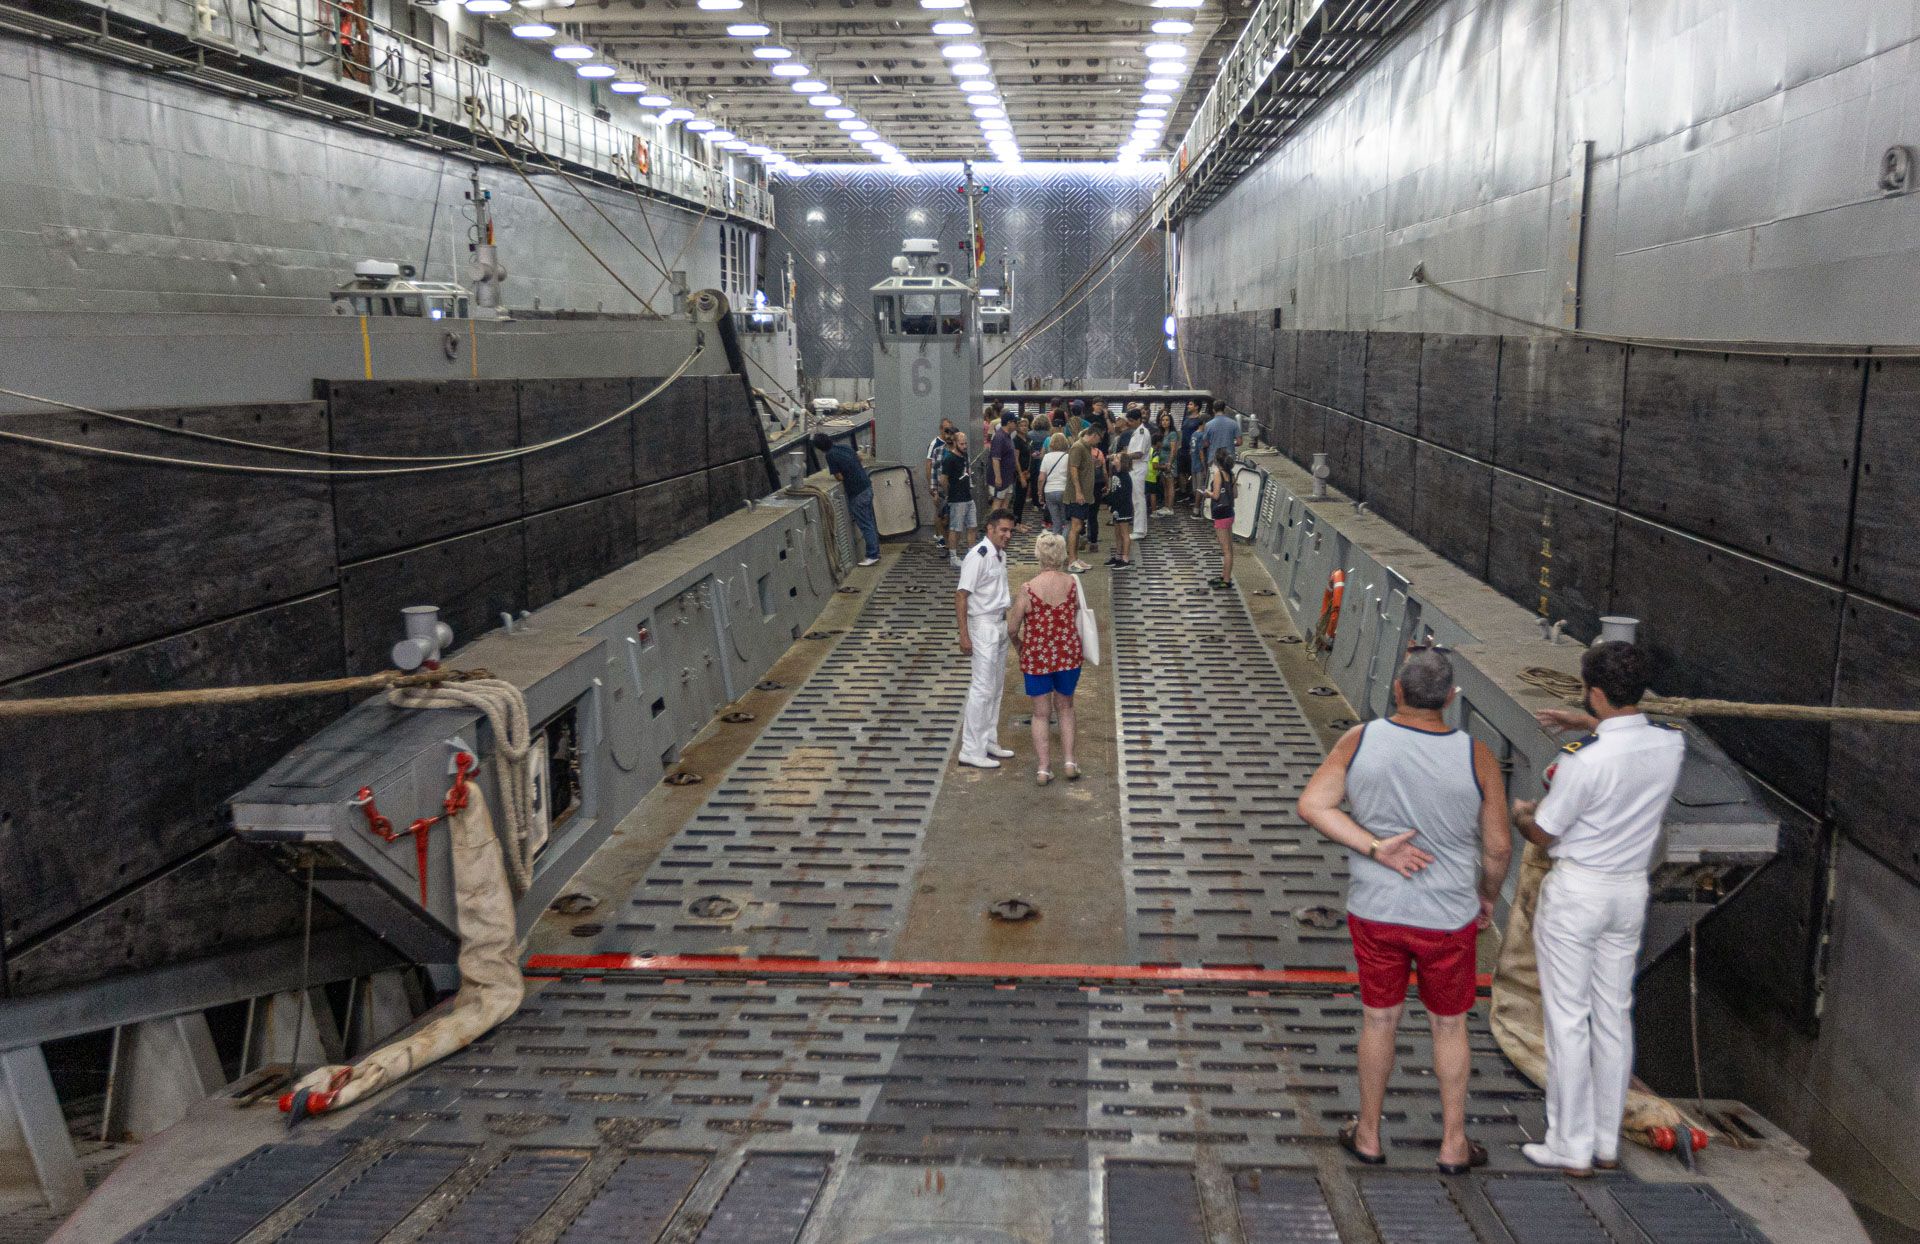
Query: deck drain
x: 575, y: 904
x: 713, y: 907
x: 1342, y: 723
x: 1322, y: 692
x: 684, y: 777
x: 769, y: 685
x: 849, y: 590
x: 586, y: 930
x: 1266, y: 591
x: 1013, y: 910
x: 1319, y: 917
x: 1288, y: 639
x: 737, y: 717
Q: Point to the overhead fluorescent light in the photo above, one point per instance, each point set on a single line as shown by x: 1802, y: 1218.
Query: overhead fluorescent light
x: 990, y: 114
x: 953, y: 28
x: 573, y: 51
x: 826, y: 101
x: 721, y: 136
x: 488, y: 6
x: 595, y: 71
x: 1156, y: 97
x: 1165, y: 51
x: 700, y: 126
x: 626, y: 88
x: 715, y: 6
x: 756, y: 151
x: 676, y: 114
x: 772, y: 51
x: 863, y: 136
x: 734, y: 144
x: 534, y: 30
x: 943, y: 4
x: 841, y: 114
x: 971, y: 69
x: 853, y: 125
x: 749, y: 30
x: 1167, y: 68
x: 653, y: 101
x: 1162, y: 84
x: 807, y: 86
x: 1151, y: 113
x: 963, y: 51
x: 1172, y: 26
x: 790, y: 69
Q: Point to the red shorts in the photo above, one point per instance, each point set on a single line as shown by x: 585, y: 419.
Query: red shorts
x: 1386, y: 952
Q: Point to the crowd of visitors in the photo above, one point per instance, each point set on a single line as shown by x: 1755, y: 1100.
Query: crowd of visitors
x: 1421, y: 806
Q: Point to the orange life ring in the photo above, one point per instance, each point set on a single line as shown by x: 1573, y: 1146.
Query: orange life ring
x: 1330, y: 608
x: 642, y: 158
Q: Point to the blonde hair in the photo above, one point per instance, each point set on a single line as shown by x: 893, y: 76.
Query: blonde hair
x: 1051, y: 549
x: 1057, y: 442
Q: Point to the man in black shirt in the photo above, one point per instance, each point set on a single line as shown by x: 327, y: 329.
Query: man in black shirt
x: 961, y: 515
x: 845, y: 465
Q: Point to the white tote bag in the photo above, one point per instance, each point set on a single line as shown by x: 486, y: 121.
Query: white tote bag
x: 1089, y: 628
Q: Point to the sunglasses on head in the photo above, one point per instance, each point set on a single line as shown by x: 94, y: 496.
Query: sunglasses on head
x: 1429, y: 645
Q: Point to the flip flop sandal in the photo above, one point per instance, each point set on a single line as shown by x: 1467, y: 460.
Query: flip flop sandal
x: 1347, y: 1143
x: 1073, y: 772
x: 1042, y: 776
x: 1476, y: 1156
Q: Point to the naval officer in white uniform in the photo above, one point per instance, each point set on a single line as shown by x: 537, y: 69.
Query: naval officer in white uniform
x: 980, y: 606
x: 1600, y: 821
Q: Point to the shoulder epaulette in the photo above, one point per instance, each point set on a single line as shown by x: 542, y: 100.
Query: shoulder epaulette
x: 1580, y: 742
x: 1667, y: 725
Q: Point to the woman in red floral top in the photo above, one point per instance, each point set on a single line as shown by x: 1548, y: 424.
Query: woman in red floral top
x: 1044, y: 620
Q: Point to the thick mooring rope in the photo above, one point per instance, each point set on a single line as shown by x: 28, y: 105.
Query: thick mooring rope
x: 199, y: 697
x: 1683, y: 706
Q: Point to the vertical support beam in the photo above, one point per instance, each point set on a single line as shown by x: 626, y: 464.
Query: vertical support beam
x: 162, y: 1068
x: 1579, y: 158
x: 387, y: 1002
x: 35, y: 1146
x: 279, y: 1024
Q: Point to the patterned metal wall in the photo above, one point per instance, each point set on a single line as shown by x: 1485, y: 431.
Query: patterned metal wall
x: 1050, y: 220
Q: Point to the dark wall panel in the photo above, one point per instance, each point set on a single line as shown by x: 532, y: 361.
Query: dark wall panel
x: 732, y: 426
x: 729, y: 486
x: 1286, y: 344
x: 1393, y: 380
x: 1344, y: 452
x: 595, y: 465
x: 382, y: 513
x: 1459, y: 381
x: 1752, y: 452
x: 1761, y: 944
x: 91, y: 804
x: 1886, y: 556
x: 228, y: 895
x: 1725, y: 625
x: 1309, y: 430
x: 570, y: 548
x: 472, y: 578
x: 1331, y: 368
x: 1559, y: 413
x: 1387, y: 473
x: 670, y: 432
x: 1451, y: 499
x: 667, y: 511
x: 1549, y: 545
x: 1870, y: 781
x: 97, y: 554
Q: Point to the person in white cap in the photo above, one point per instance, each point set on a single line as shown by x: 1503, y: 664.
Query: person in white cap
x: 1600, y: 821
x: 980, y: 606
x: 1139, y: 448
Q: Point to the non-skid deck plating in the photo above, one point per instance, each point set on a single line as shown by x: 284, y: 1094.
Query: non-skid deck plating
x: 637, y: 1098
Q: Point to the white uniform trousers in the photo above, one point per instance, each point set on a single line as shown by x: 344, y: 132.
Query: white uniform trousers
x: 1586, y: 936
x: 1138, y: 474
x: 980, y: 728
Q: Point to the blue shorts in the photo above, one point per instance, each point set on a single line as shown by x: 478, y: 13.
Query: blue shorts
x: 1060, y: 681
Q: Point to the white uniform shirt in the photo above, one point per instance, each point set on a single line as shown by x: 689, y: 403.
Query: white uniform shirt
x: 1609, y: 793
x: 983, y: 576
x: 1139, y: 445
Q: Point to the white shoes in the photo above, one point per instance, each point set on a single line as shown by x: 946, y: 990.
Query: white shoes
x: 870, y: 561
x: 1540, y: 1155
x: 980, y: 762
x: 994, y: 749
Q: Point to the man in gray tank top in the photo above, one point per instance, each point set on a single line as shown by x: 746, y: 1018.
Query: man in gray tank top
x: 1431, y: 841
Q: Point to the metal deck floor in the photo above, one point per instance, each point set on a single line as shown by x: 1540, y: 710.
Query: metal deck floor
x: 859, y: 1105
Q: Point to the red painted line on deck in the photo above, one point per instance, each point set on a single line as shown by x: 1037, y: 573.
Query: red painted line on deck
x: 778, y: 966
